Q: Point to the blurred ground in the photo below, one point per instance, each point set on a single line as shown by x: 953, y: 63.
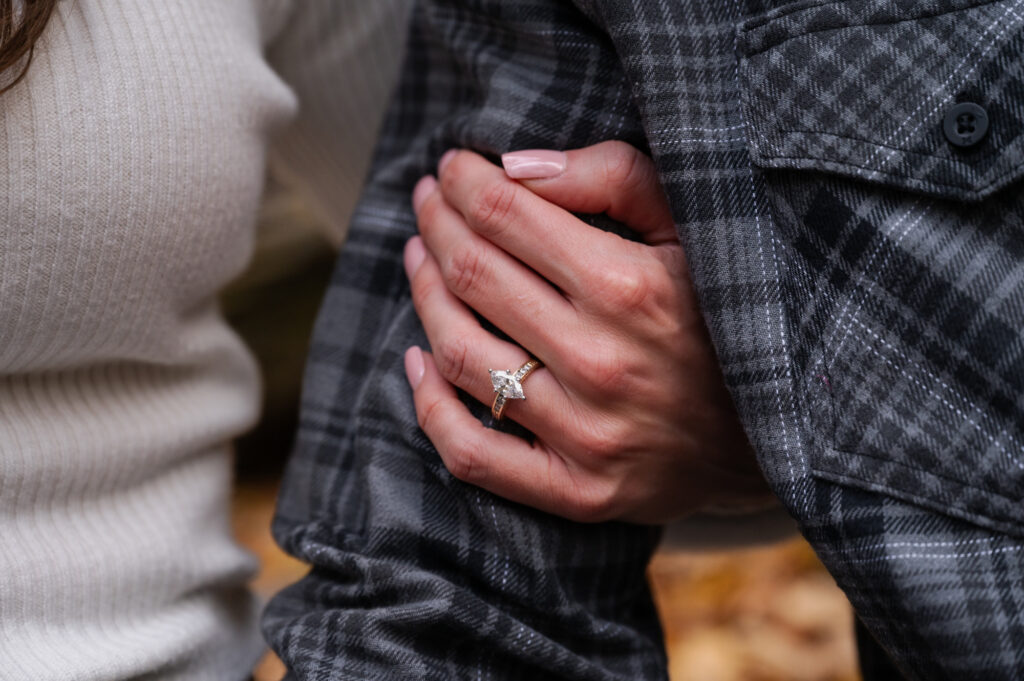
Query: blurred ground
x: 755, y: 614
x: 767, y: 614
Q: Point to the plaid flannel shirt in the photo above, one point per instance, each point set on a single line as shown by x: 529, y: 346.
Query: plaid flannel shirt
x: 862, y: 279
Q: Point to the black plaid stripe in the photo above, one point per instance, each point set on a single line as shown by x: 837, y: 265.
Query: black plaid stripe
x: 418, y: 576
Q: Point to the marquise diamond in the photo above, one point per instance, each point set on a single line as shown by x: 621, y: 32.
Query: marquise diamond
x: 507, y: 385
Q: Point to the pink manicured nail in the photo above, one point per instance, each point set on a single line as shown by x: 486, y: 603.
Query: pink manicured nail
x: 446, y: 159
x: 414, y: 367
x: 413, y: 256
x: 533, y: 164
x: 424, y: 188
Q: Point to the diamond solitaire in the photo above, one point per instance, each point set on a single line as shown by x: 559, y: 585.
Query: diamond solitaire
x: 508, y: 385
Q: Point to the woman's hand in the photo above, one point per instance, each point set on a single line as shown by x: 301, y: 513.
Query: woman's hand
x: 630, y: 411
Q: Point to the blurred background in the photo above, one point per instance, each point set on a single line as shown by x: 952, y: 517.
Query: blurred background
x: 740, y: 599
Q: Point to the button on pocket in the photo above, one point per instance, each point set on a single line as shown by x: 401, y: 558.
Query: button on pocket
x: 965, y: 125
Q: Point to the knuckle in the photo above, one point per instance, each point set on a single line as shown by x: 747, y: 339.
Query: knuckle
x: 423, y: 288
x: 465, y: 462
x: 590, y: 504
x: 466, y: 269
x: 429, y: 212
x: 493, y: 209
x: 604, y: 371
x: 623, y: 165
x: 430, y: 415
x: 626, y: 289
x: 599, y: 444
x: 452, y: 356
x: 456, y: 172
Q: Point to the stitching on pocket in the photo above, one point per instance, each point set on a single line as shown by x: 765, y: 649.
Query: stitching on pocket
x: 846, y: 553
x: 769, y: 17
x: 949, y: 405
x: 902, y: 493
x: 948, y: 159
x: 840, y: 27
x: 905, y: 179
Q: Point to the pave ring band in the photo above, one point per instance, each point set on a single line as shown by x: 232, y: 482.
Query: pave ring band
x: 508, y: 385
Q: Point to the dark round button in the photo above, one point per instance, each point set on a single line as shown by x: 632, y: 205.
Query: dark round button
x: 965, y: 124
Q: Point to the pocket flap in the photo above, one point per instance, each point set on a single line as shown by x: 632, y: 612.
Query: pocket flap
x: 880, y: 91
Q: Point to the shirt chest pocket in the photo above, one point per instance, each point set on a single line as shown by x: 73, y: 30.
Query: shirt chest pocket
x: 891, y: 140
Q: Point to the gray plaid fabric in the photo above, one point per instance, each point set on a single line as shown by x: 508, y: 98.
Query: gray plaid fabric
x: 863, y: 283
x: 858, y: 87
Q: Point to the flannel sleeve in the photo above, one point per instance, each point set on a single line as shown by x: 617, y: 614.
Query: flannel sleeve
x: 415, y: 575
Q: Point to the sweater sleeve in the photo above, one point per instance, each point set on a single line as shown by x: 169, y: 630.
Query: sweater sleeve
x: 341, y: 60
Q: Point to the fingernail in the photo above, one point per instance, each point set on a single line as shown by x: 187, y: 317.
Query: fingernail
x: 413, y: 256
x: 424, y: 188
x: 533, y: 164
x: 414, y: 367
x: 445, y: 160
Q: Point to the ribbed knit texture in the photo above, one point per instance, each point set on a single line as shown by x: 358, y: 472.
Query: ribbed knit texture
x: 132, y: 160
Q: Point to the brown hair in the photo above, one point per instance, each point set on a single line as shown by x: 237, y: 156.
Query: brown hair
x: 19, y: 32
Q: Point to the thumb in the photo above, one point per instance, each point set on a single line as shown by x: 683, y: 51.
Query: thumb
x: 611, y: 177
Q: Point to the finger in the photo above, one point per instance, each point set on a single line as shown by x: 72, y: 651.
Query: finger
x: 465, y: 352
x: 493, y: 283
x: 498, y: 462
x: 611, y: 177
x: 547, y: 238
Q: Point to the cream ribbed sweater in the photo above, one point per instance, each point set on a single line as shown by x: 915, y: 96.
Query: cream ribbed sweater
x: 131, y: 167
